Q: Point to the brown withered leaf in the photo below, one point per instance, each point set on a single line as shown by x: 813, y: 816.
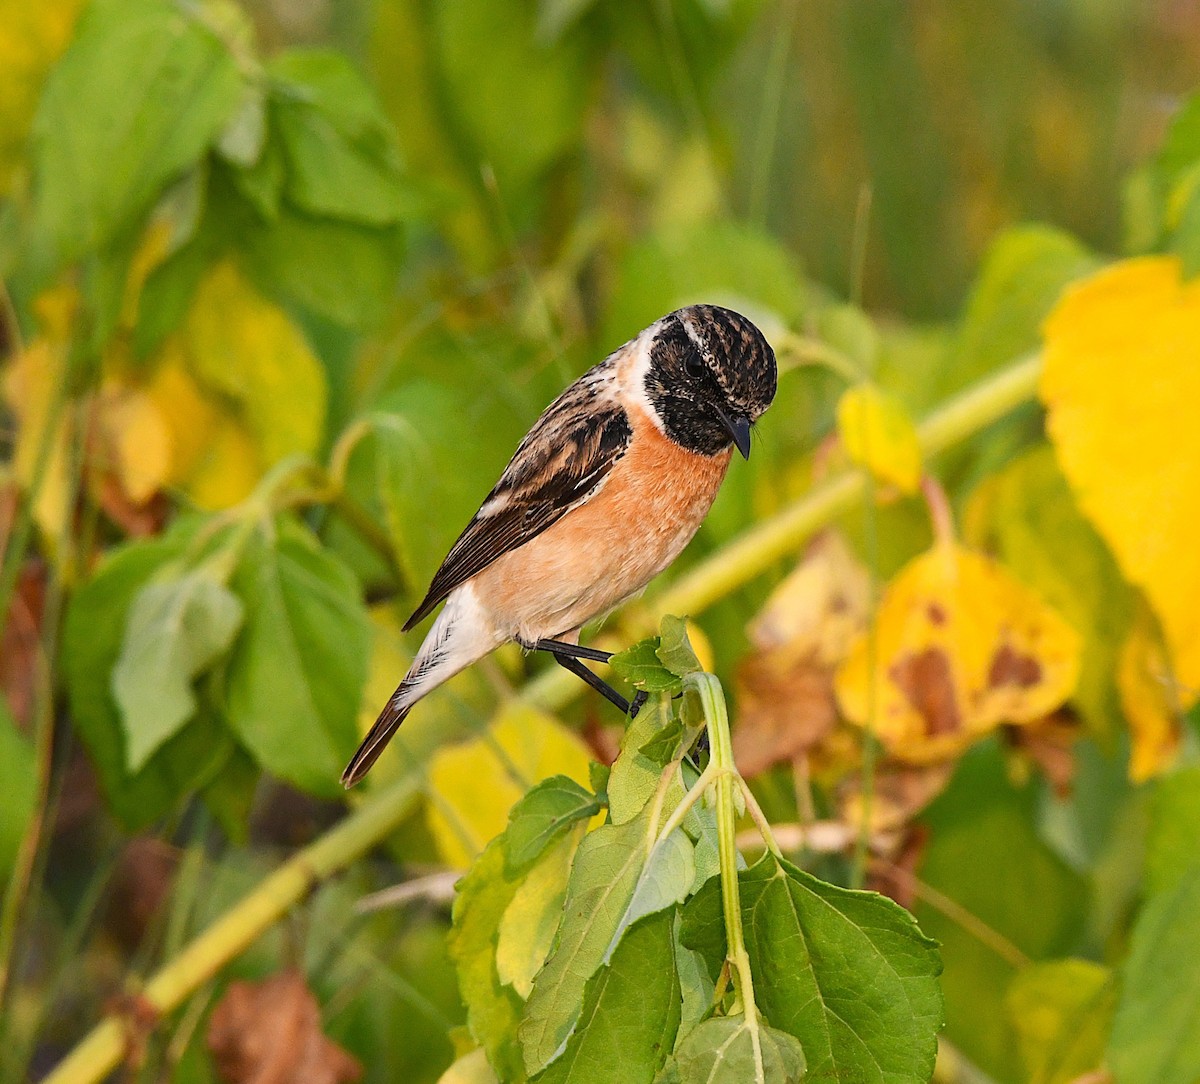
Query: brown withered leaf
x: 896, y: 876
x: 785, y: 707
x: 1049, y: 746
x: 269, y: 1032
x: 142, y: 881
x: 901, y: 791
x: 20, y: 640
x: 785, y: 694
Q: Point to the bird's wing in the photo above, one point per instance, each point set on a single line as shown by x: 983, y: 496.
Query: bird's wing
x: 561, y: 462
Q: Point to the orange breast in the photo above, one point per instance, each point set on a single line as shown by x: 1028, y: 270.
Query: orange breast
x: 608, y: 549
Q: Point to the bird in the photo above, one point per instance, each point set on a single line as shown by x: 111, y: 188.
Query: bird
x: 603, y: 493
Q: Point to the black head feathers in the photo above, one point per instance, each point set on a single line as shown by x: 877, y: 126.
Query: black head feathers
x: 711, y: 376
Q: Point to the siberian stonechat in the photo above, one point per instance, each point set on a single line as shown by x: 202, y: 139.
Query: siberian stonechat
x: 602, y: 494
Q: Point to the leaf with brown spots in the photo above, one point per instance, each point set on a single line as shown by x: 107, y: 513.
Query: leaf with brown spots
x: 961, y: 647
x: 269, y: 1032
x: 785, y: 694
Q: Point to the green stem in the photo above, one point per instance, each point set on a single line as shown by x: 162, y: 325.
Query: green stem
x: 727, y: 782
x: 760, y: 818
x: 858, y: 871
x: 744, y: 559
x: 707, y: 777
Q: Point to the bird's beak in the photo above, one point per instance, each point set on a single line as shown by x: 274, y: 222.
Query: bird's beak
x: 739, y: 429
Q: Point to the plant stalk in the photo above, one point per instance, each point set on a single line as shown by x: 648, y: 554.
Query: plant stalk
x: 726, y: 785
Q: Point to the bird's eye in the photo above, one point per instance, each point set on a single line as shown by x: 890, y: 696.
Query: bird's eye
x: 693, y: 365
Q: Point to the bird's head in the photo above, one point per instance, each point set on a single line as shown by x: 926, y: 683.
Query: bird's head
x: 710, y: 376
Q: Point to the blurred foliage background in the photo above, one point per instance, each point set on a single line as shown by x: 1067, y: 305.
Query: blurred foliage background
x: 286, y: 281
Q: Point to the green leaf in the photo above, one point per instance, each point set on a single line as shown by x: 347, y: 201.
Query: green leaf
x: 530, y: 922
x: 545, y: 814
x: 674, y: 649
x: 175, y: 631
x: 341, y: 152
x: 261, y: 184
x: 734, y: 264
x: 92, y: 635
x: 244, y: 137
x: 18, y: 784
x: 616, y: 879
x: 140, y: 95
x: 1023, y: 273
x: 721, y: 1051
x: 168, y: 291
x: 663, y: 747
x: 847, y: 973
x: 291, y: 258
x: 643, y: 669
x: 598, y: 776
x: 1156, y: 1031
x: 1171, y: 851
x: 297, y: 671
x: 493, y: 1009
x: 986, y: 854
x: 230, y: 795
x: 630, y: 1012
x: 696, y: 985
x: 635, y: 774
x: 1061, y: 1012
x: 493, y: 70
x: 555, y: 17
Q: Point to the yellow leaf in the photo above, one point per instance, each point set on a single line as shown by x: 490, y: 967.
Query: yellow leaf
x: 139, y: 438
x: 701, y: 645
x: 1151, y: 700
x: 235, y: 389
x: 960, y: 647
x: 228, y: 468
x: 1121, y: 383
x: 245, y: 348
x: 190, y: 416
x: 473, y: 786
x: 530, y: 921
x: 878, y: 434
x: 820, y: 607
x: 470, y: 1068
x: 33, y: 37
x: 30, y: 382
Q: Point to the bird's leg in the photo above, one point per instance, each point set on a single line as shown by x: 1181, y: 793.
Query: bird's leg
x: 573, y: 651
x: 569, y: 662
x: 568, y: 656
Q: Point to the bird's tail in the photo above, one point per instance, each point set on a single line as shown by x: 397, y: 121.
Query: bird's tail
x: 460, y: 636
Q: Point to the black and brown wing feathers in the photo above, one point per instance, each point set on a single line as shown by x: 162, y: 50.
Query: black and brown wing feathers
x: 560, y: 463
